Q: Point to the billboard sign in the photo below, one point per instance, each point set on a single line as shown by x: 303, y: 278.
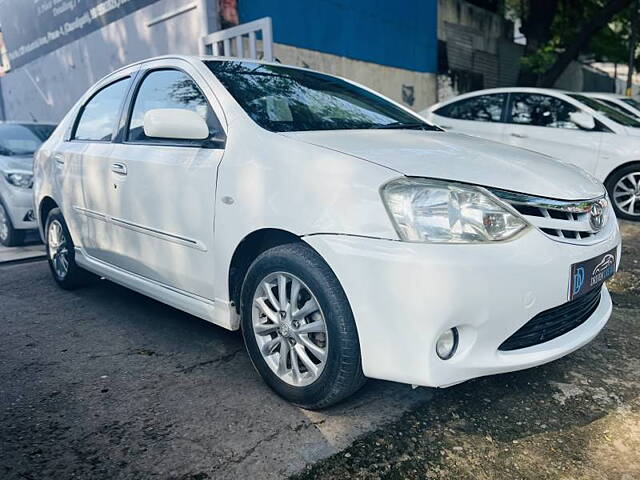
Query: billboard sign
x: 33, y: 28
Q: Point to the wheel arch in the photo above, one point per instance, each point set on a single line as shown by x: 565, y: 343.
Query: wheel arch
x: 247, y: 251
x: 620, y: 167
x: 46, y: 205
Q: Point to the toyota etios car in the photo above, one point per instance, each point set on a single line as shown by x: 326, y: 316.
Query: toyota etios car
x: 345, y: 236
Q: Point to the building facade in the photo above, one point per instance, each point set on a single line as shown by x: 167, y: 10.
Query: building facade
x: 59, y: 48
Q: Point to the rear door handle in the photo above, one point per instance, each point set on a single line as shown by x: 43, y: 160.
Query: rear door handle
x: 518, y: 135
x: 119, y: 168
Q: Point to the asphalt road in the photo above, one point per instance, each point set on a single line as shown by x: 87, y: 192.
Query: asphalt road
x: 104, y: 383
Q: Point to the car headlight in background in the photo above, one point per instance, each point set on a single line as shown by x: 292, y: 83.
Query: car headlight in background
x: 21, y: 180
x: 425, y: 210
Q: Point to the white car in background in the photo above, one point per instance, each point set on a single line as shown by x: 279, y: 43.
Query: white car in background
x: 345, y: 236
x: 621, y: 102
x: 570, y: 127
x: 18, y: 142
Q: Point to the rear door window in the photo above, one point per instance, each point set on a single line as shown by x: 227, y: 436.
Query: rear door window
x: 483, y: 108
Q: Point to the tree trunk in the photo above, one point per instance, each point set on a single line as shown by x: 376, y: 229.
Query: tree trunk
x: 590, y: 28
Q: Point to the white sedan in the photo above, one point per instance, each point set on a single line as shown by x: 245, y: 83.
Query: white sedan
x: 345, y: 236
x: 624, y: 104
x: 570, y: 127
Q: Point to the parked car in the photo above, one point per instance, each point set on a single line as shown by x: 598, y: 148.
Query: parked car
x: 18, y: 142
x: 343, y: 234
x: 622, y: 103
x: 568, y: 126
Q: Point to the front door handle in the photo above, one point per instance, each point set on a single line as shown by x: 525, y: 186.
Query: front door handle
x: 59, y: 158
x: 119, y: 168
x: 518, y: 135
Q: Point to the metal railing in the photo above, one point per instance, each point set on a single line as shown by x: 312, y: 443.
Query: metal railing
x: 242, y: 41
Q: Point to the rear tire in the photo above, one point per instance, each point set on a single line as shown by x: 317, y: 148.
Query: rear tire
x: 61, y: 254
x: 9, y: 236
x: 326, y: 335
x: 623, y: 187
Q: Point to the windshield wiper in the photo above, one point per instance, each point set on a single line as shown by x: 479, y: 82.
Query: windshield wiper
x: 403, y: 125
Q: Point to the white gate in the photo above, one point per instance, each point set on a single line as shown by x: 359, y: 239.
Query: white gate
x: 241, y: 41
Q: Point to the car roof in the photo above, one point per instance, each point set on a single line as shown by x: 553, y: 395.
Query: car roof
x: 207, y: 58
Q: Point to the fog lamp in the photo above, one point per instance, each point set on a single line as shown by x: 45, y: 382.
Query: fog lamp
x: 447, y: 344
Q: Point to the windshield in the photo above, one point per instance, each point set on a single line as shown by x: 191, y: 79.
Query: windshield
x: 612, y: 114
x: 283, y: 99
x: 618, y: 107
x: 632, y: 102
x: 22, y: 139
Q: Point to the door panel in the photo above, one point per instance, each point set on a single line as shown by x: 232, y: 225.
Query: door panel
x: 163, y: 215
x: 95, y: 129
x: 542, y: 123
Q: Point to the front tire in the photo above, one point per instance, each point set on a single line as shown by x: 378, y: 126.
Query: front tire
x: 299, y: 329
x: 9, y: 236
x: 61, y: 254
x: 624, y: 191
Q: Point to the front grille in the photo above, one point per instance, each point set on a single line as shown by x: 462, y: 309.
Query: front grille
x: 567, y: 221
x: 554, y: 322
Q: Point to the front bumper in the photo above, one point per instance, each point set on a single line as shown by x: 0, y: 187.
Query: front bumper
x: 405, y: 295
x: 19, y: 204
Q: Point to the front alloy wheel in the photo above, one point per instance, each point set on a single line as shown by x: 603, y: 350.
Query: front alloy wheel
x: 298, y: 327
x: 290, y: 329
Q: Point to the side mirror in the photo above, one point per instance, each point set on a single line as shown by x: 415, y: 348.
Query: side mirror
x: 177, y: 123
x: 583, y: 120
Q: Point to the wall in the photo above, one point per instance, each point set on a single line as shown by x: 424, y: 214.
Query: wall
x: 416, y: 90
x: 400, y: 34
x: 44, y: 89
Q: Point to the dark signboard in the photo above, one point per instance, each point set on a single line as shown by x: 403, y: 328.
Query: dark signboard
x: 33, y: 28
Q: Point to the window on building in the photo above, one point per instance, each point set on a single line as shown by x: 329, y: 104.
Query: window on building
x: 169, y: 89
x: 99, y: 115
x: 483, y: 108
x: 542, y: 111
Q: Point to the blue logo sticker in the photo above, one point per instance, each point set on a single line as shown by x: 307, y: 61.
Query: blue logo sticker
x: 578, y: 279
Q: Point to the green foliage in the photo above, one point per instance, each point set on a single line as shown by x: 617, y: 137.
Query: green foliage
x: 609, y: 44
x: 542, y: 59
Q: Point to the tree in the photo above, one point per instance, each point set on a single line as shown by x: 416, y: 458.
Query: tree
x: 558, y: 31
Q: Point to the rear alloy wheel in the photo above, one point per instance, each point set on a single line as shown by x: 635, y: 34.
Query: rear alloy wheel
x: 624, y: 191
x: 61, y: 254
x: 299, y: 329
x: 9, y: 236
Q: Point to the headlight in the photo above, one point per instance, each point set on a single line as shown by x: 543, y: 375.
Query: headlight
x: 424, y: 210
x: 22, y: 180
